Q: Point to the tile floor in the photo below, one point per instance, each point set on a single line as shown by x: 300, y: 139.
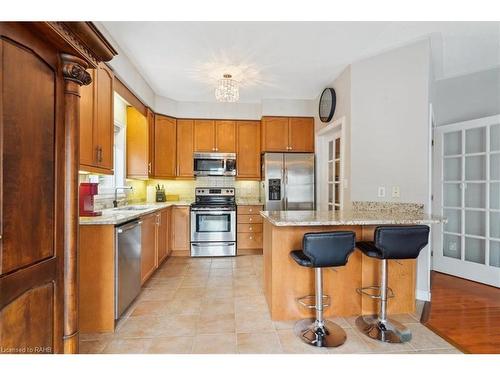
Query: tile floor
x: 200, y: 305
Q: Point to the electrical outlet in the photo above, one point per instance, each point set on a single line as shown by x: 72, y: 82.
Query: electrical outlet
x: 395, y: 192
x: 381, y: 192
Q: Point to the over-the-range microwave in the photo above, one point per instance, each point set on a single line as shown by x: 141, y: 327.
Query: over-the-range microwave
x: 214, y: 164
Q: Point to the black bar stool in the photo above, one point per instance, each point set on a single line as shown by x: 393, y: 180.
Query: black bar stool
x: 390, y: 242
x: 328, y: 249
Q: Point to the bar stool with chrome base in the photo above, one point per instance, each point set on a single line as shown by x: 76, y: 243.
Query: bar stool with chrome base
x: 390, y: 242
x: 328, y: 249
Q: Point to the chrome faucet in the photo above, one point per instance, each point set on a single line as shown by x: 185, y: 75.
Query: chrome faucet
x: 115, y: 202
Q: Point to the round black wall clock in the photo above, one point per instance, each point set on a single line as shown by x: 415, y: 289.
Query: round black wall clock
x: 327, y: 104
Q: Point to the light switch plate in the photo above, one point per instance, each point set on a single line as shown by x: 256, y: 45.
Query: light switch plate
x: 395, y: 192
x: 381, y: 192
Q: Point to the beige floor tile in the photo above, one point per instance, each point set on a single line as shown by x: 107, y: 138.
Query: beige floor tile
x: 221, y: 272
x: 92, y: 347
x: 190, y: 293
x: 163, y: 293
x: 219, y: 281
x: 215, y: 344
x: 216, y: 324
x: 339, y: 320
x: 127, y: 346
x: 96, y: 336
x: 439, y: 351
x: 222, y: 263
x: 424, y: 338
x: 171, y: 345
x: 353, y: 344
x: 177, y: 325
x: 138, y: 327
x: 256, y: 303
x: 243, y: 262
x: 218, y: 293
x: 291, y: 344
x: 185, y: 306
x: 259, y: 343
x: 194, y: 282
x: 169, y: 282
x: 376, y: 346
x: 217, y: 306
x: 154, y: 308
x: 284, y: 325
x: 242, y: 273
x: 253, y: 322
x: 177, y: 260
x: 247, y: 290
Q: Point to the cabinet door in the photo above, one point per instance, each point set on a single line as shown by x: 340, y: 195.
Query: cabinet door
x: 185, y: 148
x: 164, y: 147
x: 225, y: 136
x: 301, y: 134
x: 148, y: 242
x: 180, y: 230
x: 163, y: 248
x: 248, y: 150
x: 204, y: 135
x: 275, y: 134
x: 88, y: 151
x: 138, y: 162
x: 104, y: 133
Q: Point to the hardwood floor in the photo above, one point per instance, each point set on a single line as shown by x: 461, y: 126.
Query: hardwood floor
x: 465, y: 313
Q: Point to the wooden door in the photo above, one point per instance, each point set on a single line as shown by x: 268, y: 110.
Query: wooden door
x: 185, y: 149
x: 225, y: 136
x: 204, y: 136
x: 32, y: 193
x: 301, y: 134
x: 104, y: 134
x: 148, y: 242
x: 275, y: 134
x: 138, y: 152
x: 248, y: 150
x: 179, y: 228
x: 163, y: 248
x: 88, y: 151
x: 164, y: 163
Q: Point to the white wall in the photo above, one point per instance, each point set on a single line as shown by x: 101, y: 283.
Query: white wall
x: 467, y: 97
x: 288, y: 107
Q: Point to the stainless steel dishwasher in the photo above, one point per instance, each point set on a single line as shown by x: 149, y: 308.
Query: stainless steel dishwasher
x: 127, y: 265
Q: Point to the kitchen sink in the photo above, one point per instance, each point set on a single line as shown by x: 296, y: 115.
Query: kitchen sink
x: 133, y: 208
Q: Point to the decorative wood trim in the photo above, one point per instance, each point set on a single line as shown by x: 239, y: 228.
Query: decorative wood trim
x: 130, y: 97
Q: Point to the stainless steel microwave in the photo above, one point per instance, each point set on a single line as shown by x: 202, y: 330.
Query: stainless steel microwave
x: 214, y: 164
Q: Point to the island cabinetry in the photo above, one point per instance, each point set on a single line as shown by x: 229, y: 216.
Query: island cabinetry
x: 249, y: 229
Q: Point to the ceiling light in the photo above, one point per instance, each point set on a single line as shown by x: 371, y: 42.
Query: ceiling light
x: 227, y: 89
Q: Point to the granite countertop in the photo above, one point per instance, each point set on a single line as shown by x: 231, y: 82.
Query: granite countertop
x: 114, y: 216
x: 348, y: 217
x: 248, y: 201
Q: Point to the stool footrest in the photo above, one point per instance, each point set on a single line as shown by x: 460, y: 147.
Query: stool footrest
x: 366, y: 289
x: 310, y: 301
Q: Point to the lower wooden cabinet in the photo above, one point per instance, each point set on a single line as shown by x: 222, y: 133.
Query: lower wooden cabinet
x: 180, y: 230
x: 149, y: 249
x: 249, y: 228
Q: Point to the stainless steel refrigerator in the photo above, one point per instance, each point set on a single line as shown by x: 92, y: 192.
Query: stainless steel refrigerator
x: 288, y: 181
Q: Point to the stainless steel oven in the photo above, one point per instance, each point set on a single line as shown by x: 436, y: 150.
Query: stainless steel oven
x: 213, y: 222
x: 214, y: 164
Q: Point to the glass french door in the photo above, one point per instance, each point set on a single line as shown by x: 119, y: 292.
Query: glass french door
x: 468, y: 195
x: 334, y: 172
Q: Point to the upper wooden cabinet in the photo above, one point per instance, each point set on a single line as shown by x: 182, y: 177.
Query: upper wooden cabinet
x: 185, y: 149
x: 139, y: 152
x: 97, y: 123
x: 287, y: 134
x: 248, y: 150
x: 214, y: 136
x: 165, y: 146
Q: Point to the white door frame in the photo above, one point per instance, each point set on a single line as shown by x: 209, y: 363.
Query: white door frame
x: 459, y: 267
x: 322, y: 162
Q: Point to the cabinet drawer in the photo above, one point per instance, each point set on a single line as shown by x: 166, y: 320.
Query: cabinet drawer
x: 249, y: 219
x: 249, y: 228
x: 250, y: 240
x: 249, y: 210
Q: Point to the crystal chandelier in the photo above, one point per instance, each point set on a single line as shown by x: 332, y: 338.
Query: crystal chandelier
x: 227, y: 89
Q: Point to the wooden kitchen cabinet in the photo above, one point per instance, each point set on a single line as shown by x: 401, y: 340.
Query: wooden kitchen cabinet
x: 139, y: 152
x: 97, y: 122
x: 248, y: 150
x: 165, y: 146
x: 249, y: 228
x: 162, y: 221
x: 287, y: 134
x: 204, y: 136
x: 180, y: 233
x: 214, y: 136
x: 185, y: 148
x: 148, y: 242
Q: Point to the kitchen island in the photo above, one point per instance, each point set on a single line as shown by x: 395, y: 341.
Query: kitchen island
x: 285, y: 281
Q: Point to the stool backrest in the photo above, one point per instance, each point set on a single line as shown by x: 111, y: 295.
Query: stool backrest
x: 401, y: 242
x: 328, y: 249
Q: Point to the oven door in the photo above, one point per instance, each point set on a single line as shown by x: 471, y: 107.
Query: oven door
x: 205, y: 166
x: 216, y: 226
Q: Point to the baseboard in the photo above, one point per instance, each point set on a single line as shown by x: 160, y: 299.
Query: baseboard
x: 249, y: 252
x: 180, y: 253
x: 423, y: 295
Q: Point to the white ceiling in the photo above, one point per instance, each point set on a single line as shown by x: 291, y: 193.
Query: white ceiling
x: 288, y: 60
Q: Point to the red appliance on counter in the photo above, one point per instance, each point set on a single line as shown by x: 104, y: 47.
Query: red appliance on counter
x: 87, y: 192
